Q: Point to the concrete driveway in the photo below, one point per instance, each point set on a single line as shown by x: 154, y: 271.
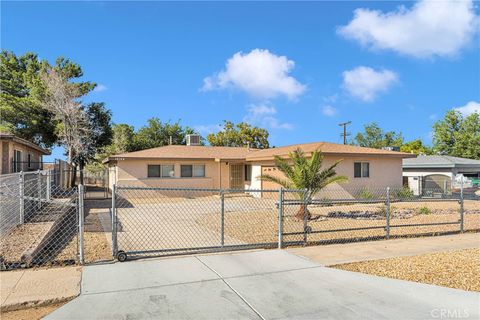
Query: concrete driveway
x: 270, y: 284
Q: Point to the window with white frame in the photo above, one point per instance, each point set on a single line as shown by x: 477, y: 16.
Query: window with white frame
x: 192, y: 171
x: 361, y: 170
x: 248, y: 172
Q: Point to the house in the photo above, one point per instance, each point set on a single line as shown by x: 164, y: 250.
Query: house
x: 19, y: 154
x: 193, y: 166
x: 437, y: 173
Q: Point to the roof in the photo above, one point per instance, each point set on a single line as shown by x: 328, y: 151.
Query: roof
x: 325, y: 148
x: 9, y: 136
x: 439, y: 161
x: 241, y: 153
x: 186, y: 152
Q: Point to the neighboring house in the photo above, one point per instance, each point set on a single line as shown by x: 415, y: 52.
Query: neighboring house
x: 187, y: 166
x: 19, y: 154
x: 438, y: 173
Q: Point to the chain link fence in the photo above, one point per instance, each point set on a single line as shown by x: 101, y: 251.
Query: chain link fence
x: 43, y: 223
x: 164, y: 221
x: 38, y: 221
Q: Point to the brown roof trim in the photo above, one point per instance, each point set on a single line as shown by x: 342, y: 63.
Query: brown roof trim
x: 11, y: 137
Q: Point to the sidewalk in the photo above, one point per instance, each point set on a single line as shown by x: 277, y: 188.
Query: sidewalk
x: 28, y: 288
x: 373, y: 250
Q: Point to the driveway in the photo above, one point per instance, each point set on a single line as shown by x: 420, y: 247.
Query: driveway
x: 254, y: 285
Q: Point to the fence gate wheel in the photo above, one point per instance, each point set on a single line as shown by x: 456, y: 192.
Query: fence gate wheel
x: 121, y: 256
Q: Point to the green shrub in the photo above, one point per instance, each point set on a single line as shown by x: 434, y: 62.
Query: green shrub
x: 404, y: 193
x: 365, y: 194
x: 424, y: 210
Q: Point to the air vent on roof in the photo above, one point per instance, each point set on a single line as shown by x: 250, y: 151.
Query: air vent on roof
x: 391, y: 148
x: 193, y: 140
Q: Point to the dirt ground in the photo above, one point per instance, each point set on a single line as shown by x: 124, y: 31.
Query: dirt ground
x: 258, y: 226
x: 22, y: 238
x: 30, y: 313
x: 454, y: 269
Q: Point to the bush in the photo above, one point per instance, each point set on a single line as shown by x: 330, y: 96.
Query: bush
x: 365, y: 194
x: 424, y: 210
x: 404, y: 193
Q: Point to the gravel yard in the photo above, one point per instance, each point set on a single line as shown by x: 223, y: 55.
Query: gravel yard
x: 454, y: 269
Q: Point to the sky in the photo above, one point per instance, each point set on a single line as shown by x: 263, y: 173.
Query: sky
x: 296, y: 68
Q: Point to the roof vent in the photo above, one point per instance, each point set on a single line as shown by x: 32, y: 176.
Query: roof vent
x: 391, y: 148
x: 193, y: 140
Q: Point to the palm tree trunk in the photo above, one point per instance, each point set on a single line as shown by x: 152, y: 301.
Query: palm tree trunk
x: 302, y: 212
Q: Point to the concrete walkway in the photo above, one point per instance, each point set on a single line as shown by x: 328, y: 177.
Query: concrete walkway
x: 27, y: 288
x: 373, y: 250
x: 271, y: 284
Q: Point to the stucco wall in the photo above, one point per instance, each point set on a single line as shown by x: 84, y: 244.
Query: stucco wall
x: 6, y: 163
x: 384, y: 172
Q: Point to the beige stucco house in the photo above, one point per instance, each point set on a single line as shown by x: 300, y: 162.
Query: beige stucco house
x: 179, y: 166
x: 19, y: 154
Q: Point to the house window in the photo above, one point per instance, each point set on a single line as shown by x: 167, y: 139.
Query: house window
x: 361, y: 169
x: 153, y: 171
x: 29, y: 161
x: 248, y: 172
x: 161, y: 171
x: 17, y: 161
x: 167, y: 170
x: 189, y: 171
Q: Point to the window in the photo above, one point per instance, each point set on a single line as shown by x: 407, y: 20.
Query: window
x: 248, y: 172
x: 361, y: 169
x: 161, y: 171
x: 17, y: 161
x: 153, y: 171
x: 188, y: 171
x: 167, y: 170
x: 29, y: 159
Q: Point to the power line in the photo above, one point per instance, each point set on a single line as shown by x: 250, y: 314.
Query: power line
x: 345, y: 133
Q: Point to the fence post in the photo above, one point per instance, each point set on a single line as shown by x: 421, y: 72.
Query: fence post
x: 387, y: 214
x: 39, y: 189
x: 22, y: 199
x: 280, y: 218
x: 305, y: 216
x: 222, y: 217
x: 49, y: 185
x: 114, y: 221
x: 462, y: 212
x: 81, y: 219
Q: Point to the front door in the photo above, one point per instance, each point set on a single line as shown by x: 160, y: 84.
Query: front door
x: 236, y: 176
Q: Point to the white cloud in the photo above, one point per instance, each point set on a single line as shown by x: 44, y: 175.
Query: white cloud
x: 428, y: 28
x: 100, y: 88
x: 366, y: 83
x: 329, y: 111
x: 259, y: 73
x: 265, y: 116
x: 469, y: 108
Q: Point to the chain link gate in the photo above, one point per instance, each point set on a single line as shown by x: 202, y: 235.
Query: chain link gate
x: 150, y: 221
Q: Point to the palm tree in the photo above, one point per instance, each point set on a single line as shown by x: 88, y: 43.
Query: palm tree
x: 306, y: 174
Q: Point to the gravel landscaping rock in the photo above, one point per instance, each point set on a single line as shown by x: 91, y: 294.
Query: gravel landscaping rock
x: 454, y: 269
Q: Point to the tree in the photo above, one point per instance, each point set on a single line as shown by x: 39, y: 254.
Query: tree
x: 416, y: 147
x: 302, y: 173
x: 458, y: 135
x: 21, y: 107
x: 239, y: 135
x: 157, y: 134
x: 375, y: 137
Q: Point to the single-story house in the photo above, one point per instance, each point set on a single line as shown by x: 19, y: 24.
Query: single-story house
x: 19, y: 154
x: 193, y: 166
x: 438, y: 173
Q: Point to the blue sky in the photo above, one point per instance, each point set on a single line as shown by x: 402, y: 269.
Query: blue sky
x: 296, y: 68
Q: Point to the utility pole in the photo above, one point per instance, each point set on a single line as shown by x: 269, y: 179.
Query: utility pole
x: 345, y: 133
